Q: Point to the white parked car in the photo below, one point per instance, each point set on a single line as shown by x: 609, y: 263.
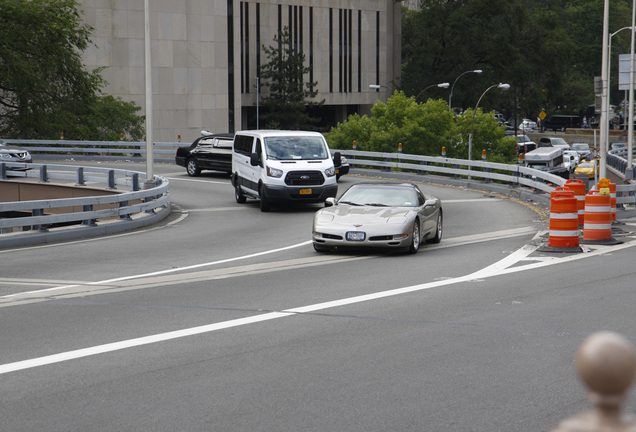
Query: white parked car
x: 570, y: 160
x: 527, y: 125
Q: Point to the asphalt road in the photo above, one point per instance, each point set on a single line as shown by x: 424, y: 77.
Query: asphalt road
x: 223, y: 318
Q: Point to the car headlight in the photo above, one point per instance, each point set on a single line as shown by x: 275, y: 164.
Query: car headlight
x: 274, y: 172
x: 330, y: 172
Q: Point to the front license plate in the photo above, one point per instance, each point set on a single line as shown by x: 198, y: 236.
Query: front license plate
x: 305, y: 191
x: 355, y: 235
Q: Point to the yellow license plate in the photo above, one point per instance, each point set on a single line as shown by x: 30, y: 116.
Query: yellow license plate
x: 305, y: 191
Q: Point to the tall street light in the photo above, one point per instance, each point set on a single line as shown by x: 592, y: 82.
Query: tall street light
x: 440, y: 85
x: 450, y: 97
x: 472, y: 125
x: 150, y: 177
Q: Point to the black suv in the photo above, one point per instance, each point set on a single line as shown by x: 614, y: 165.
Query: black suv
x: 561, y: 122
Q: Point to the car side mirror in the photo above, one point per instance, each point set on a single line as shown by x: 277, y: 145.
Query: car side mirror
x: 254, y: 159
x: 430, y: 202
x: 331, y: 201
x: 337, y: 159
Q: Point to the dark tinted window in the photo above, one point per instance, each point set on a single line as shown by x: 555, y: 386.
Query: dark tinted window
x: 243, y: 144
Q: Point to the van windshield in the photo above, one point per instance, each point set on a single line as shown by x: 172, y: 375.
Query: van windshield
x: 296, y: 148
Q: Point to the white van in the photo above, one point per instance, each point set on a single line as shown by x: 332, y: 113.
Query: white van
x: 283, y: 166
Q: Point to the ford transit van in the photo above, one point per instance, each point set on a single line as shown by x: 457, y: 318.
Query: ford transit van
x: 280, y: 167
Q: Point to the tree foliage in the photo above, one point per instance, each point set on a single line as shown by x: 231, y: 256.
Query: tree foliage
x: 44, y: 88
x: 289, y: 97
x: 423, y: 128
x: 549, y: 51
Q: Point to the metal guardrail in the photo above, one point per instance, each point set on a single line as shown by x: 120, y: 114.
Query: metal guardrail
x: 97, y: 150
x: 121, y: 206
x: 513, y: 175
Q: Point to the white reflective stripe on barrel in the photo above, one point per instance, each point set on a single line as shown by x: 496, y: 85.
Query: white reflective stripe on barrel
x: 556, y: 233
x: 564, y: 216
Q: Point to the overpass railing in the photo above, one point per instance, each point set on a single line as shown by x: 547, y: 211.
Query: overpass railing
x: 513, y: 175
x: 41, y: 214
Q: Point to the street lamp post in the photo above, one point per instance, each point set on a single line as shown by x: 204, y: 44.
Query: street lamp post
x: 440, y: 85
x: 379, y: 86
x: 472, y: 125
x: 450, y: 96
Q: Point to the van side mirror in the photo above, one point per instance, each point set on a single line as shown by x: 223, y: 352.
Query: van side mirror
x: 254, y: 159
x: 337, y: 159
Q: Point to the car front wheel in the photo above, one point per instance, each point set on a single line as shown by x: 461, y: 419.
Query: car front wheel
x: 439, y: 228
x: 192, y: 167
x: 415, y: 237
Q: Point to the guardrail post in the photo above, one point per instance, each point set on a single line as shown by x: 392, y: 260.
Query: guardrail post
x: 111, y: 179
x: 423, y: 171
x: 38, y: 212
x: 126, y: 216
x: 135, y: 182
x: 88, y: 222
x: 488, y: 170
x: 80, y: 177
x: 44, y: 177
x: 387, y: 168
x: 3, y: 171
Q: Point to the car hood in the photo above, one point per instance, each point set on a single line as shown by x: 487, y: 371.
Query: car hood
x: 365, y: 215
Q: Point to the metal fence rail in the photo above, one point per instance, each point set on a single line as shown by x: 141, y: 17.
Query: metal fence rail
x: 121, y: 206
x: 97, y: 150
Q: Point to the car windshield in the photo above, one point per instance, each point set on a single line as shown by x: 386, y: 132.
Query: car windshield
x: 390, y: 196
x: 523, y: 138
x: 296, y: 148
x: 560, y: 142
x: 586, y: 165
x: 580, y: 147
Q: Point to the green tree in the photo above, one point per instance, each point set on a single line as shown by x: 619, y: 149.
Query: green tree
x: 286, y: 103
x: 44, y: 88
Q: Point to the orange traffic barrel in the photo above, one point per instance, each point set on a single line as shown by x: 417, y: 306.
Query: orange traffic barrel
x: 564, y: 219
x: 598, y: 217
x: 612, y: 187
x: 578, y: 187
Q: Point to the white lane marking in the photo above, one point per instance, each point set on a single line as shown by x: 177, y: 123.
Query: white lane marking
x: 470, y: 200
x: 452, y: 242
x: 162, y: 272
x: 502, y: 267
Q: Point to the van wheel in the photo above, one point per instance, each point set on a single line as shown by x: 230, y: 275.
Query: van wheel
x: 238, y: 194
x: 265, y: 206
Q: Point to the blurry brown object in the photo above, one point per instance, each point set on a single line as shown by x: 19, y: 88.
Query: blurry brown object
x: 606, y: 363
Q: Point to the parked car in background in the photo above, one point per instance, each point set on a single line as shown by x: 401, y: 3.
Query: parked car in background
x: 208, y: 152
x: 561, y: 122
x: 12, y: 153
x: 382, y: 215
x: 525, y: 144
x: 527, y: 125
x: 343, y: 168
x: 583, y: 149
x: 570, y: 160
x: 554, y: 142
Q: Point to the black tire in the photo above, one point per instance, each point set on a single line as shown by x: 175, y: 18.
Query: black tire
x: 238, y: 195
x: 415, y: 237
x: 439, y: 228
x: 192, y: 167
x: 265, y: 206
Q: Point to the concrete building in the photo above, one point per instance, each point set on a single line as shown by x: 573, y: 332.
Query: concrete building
x: 206, y: 54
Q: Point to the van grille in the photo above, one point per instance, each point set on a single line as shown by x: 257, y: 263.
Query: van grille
x: 304, y: 178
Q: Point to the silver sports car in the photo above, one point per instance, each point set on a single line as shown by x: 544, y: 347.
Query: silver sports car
x: 379, y: 215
